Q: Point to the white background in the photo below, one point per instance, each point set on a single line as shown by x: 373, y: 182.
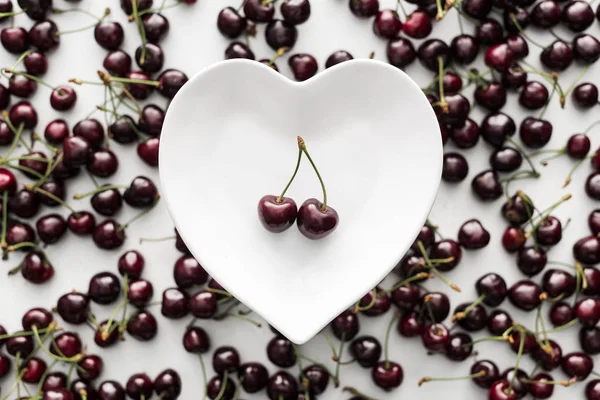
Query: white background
x: 194, y: 43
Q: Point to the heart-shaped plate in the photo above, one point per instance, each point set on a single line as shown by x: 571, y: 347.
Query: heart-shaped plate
x: 229, y: 138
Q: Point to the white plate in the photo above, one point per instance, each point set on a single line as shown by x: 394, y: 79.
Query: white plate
x: 229, y: 138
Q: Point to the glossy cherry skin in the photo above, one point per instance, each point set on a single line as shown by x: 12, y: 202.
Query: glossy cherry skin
x: 57, y: 394
x: 592, y: 390
x: 557, y: 56
x: 282, y: 385
x: 142, y: 326
x: 24, y: 204
x: 340, y: 56
x: 525, y: 295
x: 345, y: 326
x: 117, y: 63
x: 499, y: 391
x: 435, y: 337
x: 141, y: 193
x: 14, y: 40
x: 464, y: 48
x: 458, y: 110
x: 51, y: 228
x: 577, y: 16
x: 188, y: 272
x: 496, y: 127
x: 473, y: 321
x: 73, y: 308
x: 139, y: 386
x: 586, y: 48
x: 20, y: 233
x: 491, y: 373
x: 238, y: 50
x: 472, y: 235
x: 533, y: 96
x: 410, y: 325
x: 364, y: 8
x: 455, y: 168
x: 585, y: 95
x: 107, y: 202
x: 561, y: 313
x: 489, y: 32
x: 514, y: 77
x: 498, y: 322
x: 153, y: 58
x: 8, y: 181
x: 493, y: 287
x: 531, y: 261
x: 148, y: 151
x: 406, y: 297
x: 430, y: 51
x: 109, y: 35
x: 169, y: 83
x: 535, y: 133
x: 91, y: 367
x: 140, y: 292
x: 280, y: 352
x: 314, y: 222
x: 56, y: 131
x: 445, y: 249
x: 587, y: 250
x: 230, y: 23
x: 376, y: 307
x: 253, y: 377
x: 545, y: 14
x: 5, y: 365
x: 139, y: 90
x: 258, y: 11
x: 366, y: 350
x: 578, y: 146
x: 500, y: 57
x: 400, y: 52
x: 303, y: 66
x: 556, y: 282
x: 486, y: 185
x: 54, y: 380
x: 506, y: 159
x: 104, y: 288
x: 20, y: 86
x: 478, y: 9
x: 417, y: 25
x: 589, y: 340
x: 108, y: 235
x: 550, y: 358
x: 279, y: 34
x: 588, y: 311
x: 156, y: 27
x: 387, y: 24
x: 196, y: 340
x: 387, y: 375
x: 592, y: 185
x: 19, y: 344
x: 594, y: 221
x: 38, y: 317
x: 277, y: 216
x: 467, y: 135
x: 168, y: 384
x: 131, y: 263
x: 91, y: 130
x: 492, y: 96
x: 174, y: 303
x: 577, y: 365
x: 520, y: 388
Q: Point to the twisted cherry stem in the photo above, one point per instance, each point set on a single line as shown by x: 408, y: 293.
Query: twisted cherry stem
x: 278, y: 200
x: 302, y: 147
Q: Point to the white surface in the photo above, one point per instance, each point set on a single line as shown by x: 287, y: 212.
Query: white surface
x: 194, y: 43
x: 229, y: 138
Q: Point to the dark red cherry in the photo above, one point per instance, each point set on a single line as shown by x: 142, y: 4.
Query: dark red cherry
x: 117, y: 63
x: 533, y: 96
x: 51, y: 228
x: 489, y: 32
x: 589, y: 340
x: 142, y: 326
x: 578, y: 146
x: 168, y: 384
x: 174, y: 303
x: 103, y: 163
x: 139, y: 90
x: 140, y: 292
x: 364, y: 8
x: 435, y: 337
x: 148, y: 151
x: 277, y: 216
x: 156, y: 27
x: 535, y: 133
x: 24, y: 204
x: 109, y: 35
x: 196, y: 340
x: 281, y: 34
x: 473, y: 321
x: 455, y: 167
x: 459, y: 346
x: 546, y: 14
x: 501, y: 390
x: 19, y: 344
x: 549, y: 232
x: 417, y: 25
x: 230, y: 23
x: 561, y: 313
x: 379, y: 306
x: 518, y: 14
x: 36, y: 161
x: 63, y: 98
x: 457, y: 112
x: 38, y: 317
x: 557, y: 56
x: 44, y: 35
x: 486, y: 185
x: 14, y: 40
x: 592, y: 390
x: 54, y: 380
x: 585, y: 95
x: 107, y: 202
x: 90, y: 367
x: 314, y: 222
x: 594, y: 221
x: 295, y: 11
x: 514, y: 78
x: 531, y: 260
x: 259, y: 11
x: 548, y: 358
x: 56, y: 131
x: 36, y: 268
x: 73, y: 308
x: 282, y: 385
x: 410, y: 325
x: 21, y: 86
x: 303, y: 66
x: 493, y: 287
x: 406, y: 297
x: 496, y: 127
x: 345, y: 326
x: 587, y: 250
x: 19, y: 232
x: 387, y: 375
x: 239, y: 50
x: 464, y: 48
x: 525, y: 295
x: 586, y: 48
x: 556, y: 282
x: 519, y: 387
x: 592, y: 185
x: 478, y: 9
x: 91, y: 130
x: 499, y: 57
x: 142, y: 5
x: 577, y: 15
x: 446, y: 249
x: 139, y: 386
x: 491, y: 373
x: 506, y: 159
x: 253, y: 377
x: 472, y: 235
x: 430, y: 51
x: 170, y: 81
x: 141, y: 193
x: 387, y: 24
x: 366, y: 350
x: 498, y: 322
x: 58, y: 394
x: 149, y: 58
x: 340, y: 56
x: 578, y: 365
x: 280, y: 352
x: 23, y: 113
x: 492, y: 96
x: 104, y: 288
x: 400, y: 53
x: 111, y: 390
x: 467, y: 135
x: 108, y: 235
x: 588, y: 311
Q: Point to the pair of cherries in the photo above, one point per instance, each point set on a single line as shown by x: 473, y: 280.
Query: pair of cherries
x: 315, y: 219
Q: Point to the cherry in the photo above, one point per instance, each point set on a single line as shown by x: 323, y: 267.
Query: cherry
x: 588, y: 311
x: 5, y: 365
x: 589, y: 340
x: 6, y: 6
x: 546, y: 14
x: 486, y: 185
x: 303, y: 66
x: 464, y: 48
x: 44, y: 35
x: 277, y: 213
x: 340, y: 56
x: 400, y: 52
x: 500, y: 57
x: 548, y: 359
x: 282, y: 385
x: 529, y: 342
x: 280, y: 352
x: 54, y: 380
x: 111, y: 390
x: 230, y: 23
x: 109, y: 35
x: 432, y: 50
x: 36, y: 317
x: 387, y: 375
x: 63, y: 98
x: 387, y: 24
x: 364, y: 8
x: 148, y: 151
x: 36, y: 9
x: 455, y: 167
x: 533, y: 96
x: 317, y: 378
x: 535, y: 133
x: 63, y: 172
x: 435, y: 337
x: 586, y: 48
x: 531, y: 260
x: 24, y: 204
x: 21, y: 86
x: 66, y: 343
x: 459, y: 346
x: 587, y: 250
x: 406, y: 297
x: 577, y: 16
x: 91, y: 130
x: 220, y: 388
x: 156, y: 27
x: 514, y: 77
x: 90, y: 367
x: 467, y: 135
x: 14, y: 40
x: 73, y: 308
x: 253, y: 377
x: 592, y: 185
x: 444, y: 249
x: 489, y: 32
x: 174, y: 303
x: 498, y: 322
x: 492, y: 96
x: 123, y: 130
x: 426, y: 236
x: 501, y: 390
x: 379, y: 306
x: 592, y: 390
x: 140, y: 292
x: 410, y: 325
x: 473, y: 321
x: 518, y: 209
x: 56, y: 131
x: 366, y: 350
x: 141, y: 193
x: 557, y: 56
x: 139, y: 386
x: 142, y: 326
x: 525, y: 295
x: 345, y: 326
x: 19, y: 233
x: 6, y: 134
x: 108, y: 235
x: 593, y: 221
x: 519, y: 387
x: 104, y: 288
x: 238, y: 50
x: 168, y: 384
x: 34, y: 369
x: 578, y: 146
x: 36, y: 162
x: 56, y: 188
x: 281, y: 34
x: 103, y: 163
x: 149, y: 57
x: 556, y: 282
x: 518, y: 46
x: 117, y: 63
x: 585, y: 95
x: 491, y: 373
x: 8, y: 182
x: 458, y: 110
x: 411, y: 265
x: 50, y: 228
x: 472, y: 235
x: 478, y: 9
x: 417, y: 25
x: 107, y: 202
x: 493, y: 287
x: 36, y: 269
x: 259, y: 11
x: 58, y: 394
x: 36, y: 63
x: 196, y: 340
x: 578, y: 365
x: 561, y: 313
x: 506, y: 159
x: 19, y: 344
x: 496, y: 127
x: 170, y: 81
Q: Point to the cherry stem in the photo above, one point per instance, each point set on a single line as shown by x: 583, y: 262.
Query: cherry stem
x: 29, y: 76
x: 3, y: 243
x: 440, y: 10
x: 355, y: 392
x: 278, y: 200
x: 589, y: 128
x: 541, y: 382
x: 442, y: 102
x: 514, y: 20
x: 387, y: 340
x: 302, y: 147
x: 456, y: 378
x: 85, y: 28
x: 124, y: 289
x: 519, y: 354
x: 129, y: 80
x: 21, y: 57
x: 17, y: 384
x: 204, y: 377
x: 571, y: 172
x: 416, y: 277
x: 28, y: 333
x: 141, y: 30
x: 463, y: 314
x: 434, y: 269
x: 357, y: 306
x: 338, y: 357
x: 141, y: 214
x: 223, y: 385
x: 163, y: 239
x: 550, y: 99
x: 400, y: 7
x: 218, y: 291
x: 51, y: 196
x: 76, y: 358
x: 160, y: 9
x: 572, y: 86
x: 280, y: 52
x: 98, y: 190
x: 545, y: 214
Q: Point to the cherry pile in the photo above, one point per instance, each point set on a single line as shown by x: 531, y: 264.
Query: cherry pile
x: 41, y: 163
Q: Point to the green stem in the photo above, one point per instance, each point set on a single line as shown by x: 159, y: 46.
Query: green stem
x: 302, y: 147
x: 519, y: 355
x: 3, y: 243
x: 98, y: 190
x: 223, y: 381
x: 292, y: 178
x: 387, y: 340
x: 140, y: 215
x: 30, y: 77
x: 203, y: 367
x: 520, y: 150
